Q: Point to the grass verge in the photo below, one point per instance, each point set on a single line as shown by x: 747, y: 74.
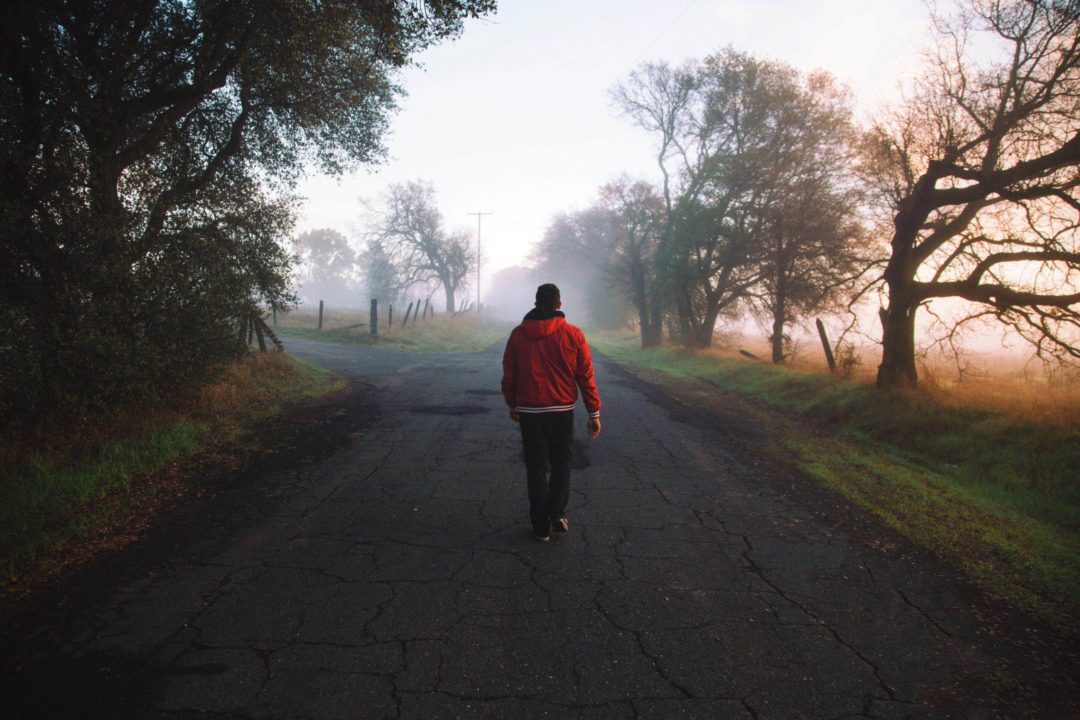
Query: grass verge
x: 64, y: 502
x: 441, y: 333
x: 995, y: 495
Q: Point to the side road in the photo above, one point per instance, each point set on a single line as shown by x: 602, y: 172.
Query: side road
x: 382, y: 566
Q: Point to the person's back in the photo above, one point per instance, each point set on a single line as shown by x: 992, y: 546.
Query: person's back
x: 546, y: 362
x: 551, y: 363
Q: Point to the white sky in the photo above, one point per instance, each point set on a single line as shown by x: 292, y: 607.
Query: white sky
x: 513, y: 118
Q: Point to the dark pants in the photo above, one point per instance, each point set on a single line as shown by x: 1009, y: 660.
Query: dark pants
x: 547, y: 438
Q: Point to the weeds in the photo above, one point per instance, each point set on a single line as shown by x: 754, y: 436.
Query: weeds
x: 57, y: 488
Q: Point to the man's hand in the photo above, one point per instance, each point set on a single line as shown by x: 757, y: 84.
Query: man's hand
x: 516, y: 417
x: 594, y: 426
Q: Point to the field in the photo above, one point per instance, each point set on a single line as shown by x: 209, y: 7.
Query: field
x: 985, y: 476
x: 438, y: 333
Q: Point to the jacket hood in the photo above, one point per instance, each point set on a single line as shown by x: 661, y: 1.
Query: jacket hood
x: 541, y: 322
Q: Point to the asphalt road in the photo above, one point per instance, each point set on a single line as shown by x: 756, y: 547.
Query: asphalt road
x: 381, y: 566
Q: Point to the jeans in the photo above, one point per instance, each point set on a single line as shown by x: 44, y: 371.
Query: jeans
x: 547, y: 438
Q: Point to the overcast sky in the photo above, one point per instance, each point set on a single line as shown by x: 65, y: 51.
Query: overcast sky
x: 514, y: 118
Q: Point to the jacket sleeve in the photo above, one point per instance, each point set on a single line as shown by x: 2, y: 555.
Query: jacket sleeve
x: 585, y: 378
x: 509, y: 377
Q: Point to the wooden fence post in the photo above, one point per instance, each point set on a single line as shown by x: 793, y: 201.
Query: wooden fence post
x: 270, y: 333
x: 390, y: 316
x: 405, y: 322
x: 427, y: 307
x: 374, y: 316
x: 825, y: 344
x: 256, y: 323
x: 320, y: 314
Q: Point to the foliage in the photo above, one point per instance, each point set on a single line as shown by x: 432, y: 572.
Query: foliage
x: 637, y: 218
x: 380, y: 276
x: 327, y: 268
x: 408, y: 232
x: 755, y: 203
x: 146, y: 151
x: 574, y: 254
x: 979, y: 171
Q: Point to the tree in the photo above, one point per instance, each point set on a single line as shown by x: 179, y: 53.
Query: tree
x: 380, y: 276
x: 146, y: 151
x: 410, y: 231
x: 574, y: 254
x: 979, y: 169
x: 637, y: 219
x: 327, y: 267
x: 811, y: 230
x: 716, y: 121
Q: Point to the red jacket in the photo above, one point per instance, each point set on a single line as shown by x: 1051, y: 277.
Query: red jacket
x: 545, y: 362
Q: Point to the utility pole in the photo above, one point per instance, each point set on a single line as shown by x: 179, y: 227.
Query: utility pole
x: 479, y: 216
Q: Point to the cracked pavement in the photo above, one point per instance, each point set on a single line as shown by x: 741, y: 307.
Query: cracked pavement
x: 389, y: 572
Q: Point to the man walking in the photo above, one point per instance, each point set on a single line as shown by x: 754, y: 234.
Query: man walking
x: 545, y: 362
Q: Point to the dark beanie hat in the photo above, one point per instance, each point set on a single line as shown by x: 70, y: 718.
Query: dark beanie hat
x: 547, y: 296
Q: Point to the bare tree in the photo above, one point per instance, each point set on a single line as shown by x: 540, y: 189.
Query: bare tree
x: 980, y: 171
x: 410, y: 230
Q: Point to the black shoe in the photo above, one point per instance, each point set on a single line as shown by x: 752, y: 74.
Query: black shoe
x: 542, y: 535
x: 560, y: 524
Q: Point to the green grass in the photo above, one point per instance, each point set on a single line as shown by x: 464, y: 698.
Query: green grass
x: 49, y: 498
x: 991, y: 493
x: 441, y: 333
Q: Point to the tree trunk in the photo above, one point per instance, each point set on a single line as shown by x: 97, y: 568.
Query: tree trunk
x: 703, y: 336
x: 656, y: 325
x: 649, y: 331
x: 779, y: 309
x: 778, y: 339
x: 449, y: 298
x: 897, y: 367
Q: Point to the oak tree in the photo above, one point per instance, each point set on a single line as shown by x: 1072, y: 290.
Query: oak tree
x: 980, y: 170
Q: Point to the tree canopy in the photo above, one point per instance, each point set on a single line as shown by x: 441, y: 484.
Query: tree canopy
x: 147, y: 148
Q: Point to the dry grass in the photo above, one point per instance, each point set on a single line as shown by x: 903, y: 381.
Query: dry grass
x: 998, y: 382
x: 440, y: 333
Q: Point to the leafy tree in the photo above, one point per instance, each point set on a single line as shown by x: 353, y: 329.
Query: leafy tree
x: 716, y: 121
x: 410, y: 231
x: 812, y: 235
x: 574, y: 254
x: 379, y: 274
x: 979, y: 170
x: 637, y: 217
x: 146, y: 151
x: 328, y: 267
